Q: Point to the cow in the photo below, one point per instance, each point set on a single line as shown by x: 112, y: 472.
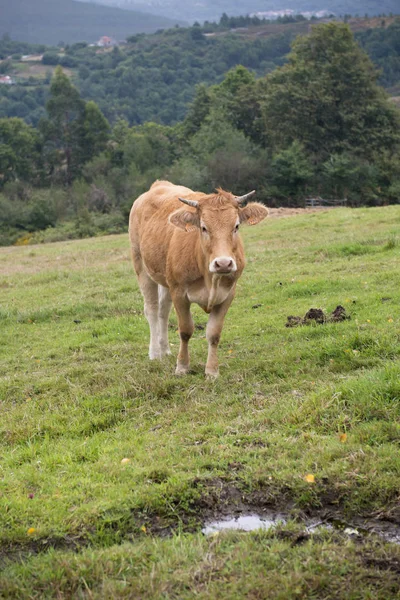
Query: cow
x: 185, y: 254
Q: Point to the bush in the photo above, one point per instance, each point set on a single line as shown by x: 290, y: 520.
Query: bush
x: 42, y: 212
x: 50, y: 58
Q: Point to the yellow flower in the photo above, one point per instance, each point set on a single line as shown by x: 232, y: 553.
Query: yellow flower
x: 309, y: 478
x: 343, y: 437
x: 31, y: 531
x: 124, y: 461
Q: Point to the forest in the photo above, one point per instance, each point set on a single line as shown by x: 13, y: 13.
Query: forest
x: 317, y: 124
x: 153, y: 77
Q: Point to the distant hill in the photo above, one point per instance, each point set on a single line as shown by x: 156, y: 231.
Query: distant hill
x: 52, y: 21
x: 212, y: 10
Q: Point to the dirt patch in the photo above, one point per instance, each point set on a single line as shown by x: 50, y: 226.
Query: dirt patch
x: 382, y: 564
x: 19, y: 552
x: 278, y: 213
x: 225, y: 500
x: 219, y: 499
x: 317, y: 316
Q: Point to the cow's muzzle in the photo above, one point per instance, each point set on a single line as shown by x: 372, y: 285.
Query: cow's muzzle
x: 223, y: 265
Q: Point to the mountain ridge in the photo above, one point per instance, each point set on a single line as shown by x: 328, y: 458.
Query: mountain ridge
x: 49, y: 22
x: 212, y: 10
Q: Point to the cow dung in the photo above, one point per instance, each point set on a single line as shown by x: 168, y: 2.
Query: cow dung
x: 317, y: 316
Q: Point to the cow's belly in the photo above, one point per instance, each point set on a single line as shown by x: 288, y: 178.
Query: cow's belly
x: 199, y: 294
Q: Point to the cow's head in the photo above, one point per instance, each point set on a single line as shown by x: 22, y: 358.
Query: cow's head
x: 217, y: 218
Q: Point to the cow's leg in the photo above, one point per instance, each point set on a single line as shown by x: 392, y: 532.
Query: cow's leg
x: 164, y: 308
x: 186, y: 328
x: 150, y: 292
x: 149, y: 289
x: 213, y: 334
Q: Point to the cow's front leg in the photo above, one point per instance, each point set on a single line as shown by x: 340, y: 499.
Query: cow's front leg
x: 186, y: 328
x: 213, y: 334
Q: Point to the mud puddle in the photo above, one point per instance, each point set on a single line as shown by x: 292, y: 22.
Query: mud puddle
x: 271, y: 520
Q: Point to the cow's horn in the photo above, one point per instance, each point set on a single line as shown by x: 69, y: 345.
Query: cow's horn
x: 241, y: 199
x: 190, y: 202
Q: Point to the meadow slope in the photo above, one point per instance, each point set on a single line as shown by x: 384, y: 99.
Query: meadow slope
x: 78, y: 395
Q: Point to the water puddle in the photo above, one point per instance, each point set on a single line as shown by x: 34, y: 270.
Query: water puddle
x: 245, y: 523
x: 252, y: 522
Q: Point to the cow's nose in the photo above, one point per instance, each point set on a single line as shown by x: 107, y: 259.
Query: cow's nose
x: 223, y: 264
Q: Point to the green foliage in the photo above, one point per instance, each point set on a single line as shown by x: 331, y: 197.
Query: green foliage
x: 65, y: 125
x: 50, y: 58
x: 327, y: 98
x: 19, y: 151
x: 382, y: 46
x: 95, y: 132
x: 154, y: 77
x: 78, y: 131
x: 9, y: 47
x: 290, y: 171
x: 318, y: 125
x: 5, y: 67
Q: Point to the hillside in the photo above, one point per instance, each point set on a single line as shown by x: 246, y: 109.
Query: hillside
x: 153, y: 77
x: 211, y: 10
x: 50, y: 21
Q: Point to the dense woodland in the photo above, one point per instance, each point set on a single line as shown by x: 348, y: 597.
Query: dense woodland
x: 153, y: 78
x: 318, y: 124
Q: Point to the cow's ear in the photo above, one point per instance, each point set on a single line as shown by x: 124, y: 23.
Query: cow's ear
x: 253, y: 213
x: 185, y: 219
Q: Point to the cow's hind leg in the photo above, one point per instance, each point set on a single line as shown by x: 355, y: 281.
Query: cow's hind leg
x: 164, y: 308
x: 150, y: 293
x: 149, y: 289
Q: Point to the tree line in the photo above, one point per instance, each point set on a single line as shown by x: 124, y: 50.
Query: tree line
x: 320, y: 124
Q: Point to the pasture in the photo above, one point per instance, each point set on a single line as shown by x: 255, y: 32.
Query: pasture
x: 78, y: 395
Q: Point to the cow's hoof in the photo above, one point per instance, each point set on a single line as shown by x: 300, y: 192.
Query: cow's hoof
x: 212, y: 374
x: 166, y: 352
x: 182, y: 370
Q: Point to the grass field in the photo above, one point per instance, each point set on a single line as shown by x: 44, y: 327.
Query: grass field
x: 78, y: 395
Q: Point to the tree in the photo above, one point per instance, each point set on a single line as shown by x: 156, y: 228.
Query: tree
x: 95, y: 131
x: 66, y: 112
x: 238, y: 97
x: 198, y: 111
x: 291, y: 171
x: 19, y: 151
x: 75, y: 131
x: 328, y: 99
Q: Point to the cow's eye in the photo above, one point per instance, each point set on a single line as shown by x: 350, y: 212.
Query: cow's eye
x: 236, y: 227
x: 204, y: 229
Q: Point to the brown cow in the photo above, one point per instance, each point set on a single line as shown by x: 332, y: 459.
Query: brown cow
x: 188, y: 254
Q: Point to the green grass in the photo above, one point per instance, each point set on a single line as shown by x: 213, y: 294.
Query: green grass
x: 78, y: 395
